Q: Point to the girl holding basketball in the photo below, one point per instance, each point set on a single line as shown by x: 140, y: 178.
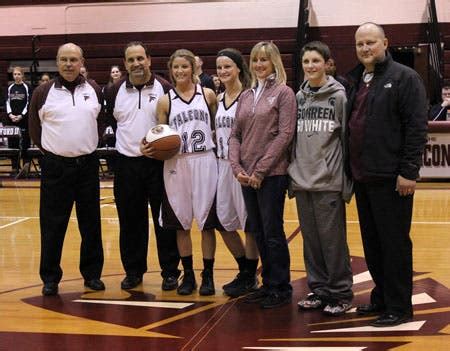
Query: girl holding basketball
x: 235, y: 76
x: 191, y: 176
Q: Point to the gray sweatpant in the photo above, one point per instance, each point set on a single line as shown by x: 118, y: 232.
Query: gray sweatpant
x: 327, y: 260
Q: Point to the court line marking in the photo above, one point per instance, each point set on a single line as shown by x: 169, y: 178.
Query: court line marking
x: 22, y: 219
x: 357, y: 222
x: 306, y: 348
x: 411, y: 326
x: 175, y: 305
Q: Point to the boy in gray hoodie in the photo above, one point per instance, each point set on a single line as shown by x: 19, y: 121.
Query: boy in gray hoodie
x: 320, y: 185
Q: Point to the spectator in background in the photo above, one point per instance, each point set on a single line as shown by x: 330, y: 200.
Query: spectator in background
x: 17, y: 101
x: 84, y: 72
x: 205, y: 79
x: 218, y: 86
x: 114, y: 75
x: 45, y: 77
x: 441, y: 112
x: 110, y: 141
x: 331, y: 70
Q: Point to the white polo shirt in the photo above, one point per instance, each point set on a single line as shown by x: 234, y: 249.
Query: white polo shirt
x: 134, y: 111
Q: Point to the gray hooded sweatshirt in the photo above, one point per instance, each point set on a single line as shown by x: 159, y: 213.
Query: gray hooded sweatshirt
x: 318, y: 154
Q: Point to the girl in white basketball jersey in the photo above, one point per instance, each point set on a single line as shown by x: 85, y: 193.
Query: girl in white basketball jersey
x: 235, y: 76
x: 190, y: 177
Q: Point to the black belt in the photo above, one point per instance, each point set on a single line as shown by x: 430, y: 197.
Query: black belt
x: 71, y: 160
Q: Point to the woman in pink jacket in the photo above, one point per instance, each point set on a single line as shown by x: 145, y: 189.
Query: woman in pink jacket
x: 259, y: 143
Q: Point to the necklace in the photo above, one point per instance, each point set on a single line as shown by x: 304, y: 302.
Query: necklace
x: 367, y: 77
x: 233, y: 92
x: 232, y: 95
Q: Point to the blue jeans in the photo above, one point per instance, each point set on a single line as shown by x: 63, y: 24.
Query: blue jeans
x: 265, y: 207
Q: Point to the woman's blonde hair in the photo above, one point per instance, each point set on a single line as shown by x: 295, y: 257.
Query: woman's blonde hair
x: 273, y: 54
x: 188, y: 55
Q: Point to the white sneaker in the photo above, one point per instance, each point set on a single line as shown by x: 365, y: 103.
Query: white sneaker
x: 336, y: 309
x: 312, y: 302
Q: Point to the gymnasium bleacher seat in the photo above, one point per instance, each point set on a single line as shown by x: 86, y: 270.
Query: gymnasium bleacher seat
x: 7, y: 154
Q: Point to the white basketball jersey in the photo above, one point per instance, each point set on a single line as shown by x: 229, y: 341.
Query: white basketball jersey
x: 224, y: 122
x: 192, y: 120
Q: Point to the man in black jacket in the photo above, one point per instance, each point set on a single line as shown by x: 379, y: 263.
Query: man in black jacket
x: 387, y: 126
x: 441, y: 112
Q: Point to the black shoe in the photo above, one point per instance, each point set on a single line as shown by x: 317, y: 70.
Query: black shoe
x: 130, y: 282
x: 50, y: 289
x: 244, y: 283
x: 94, y: 284
x: 257, y: 296
x: 188, y: 284
x: 275, y: 299
x: 169, y: 283
x: 207, y: 286
x: 369, y: 309
x: 391, y: 320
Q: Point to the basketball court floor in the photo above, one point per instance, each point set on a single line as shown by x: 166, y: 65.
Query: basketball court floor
x: 147, y: 318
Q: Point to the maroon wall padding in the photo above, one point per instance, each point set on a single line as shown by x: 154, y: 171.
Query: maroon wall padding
x: 105, y: 49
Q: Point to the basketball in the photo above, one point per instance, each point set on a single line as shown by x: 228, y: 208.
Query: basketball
x: 165, y: 141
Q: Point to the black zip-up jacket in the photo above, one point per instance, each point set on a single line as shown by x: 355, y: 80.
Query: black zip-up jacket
x: 396, y: 121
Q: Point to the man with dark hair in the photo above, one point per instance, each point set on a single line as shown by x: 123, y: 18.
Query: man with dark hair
x: 205, y: 79
x: 131, y: 110
x: 331, y: 70
x: 63, y: 124
x: 441, y: 112
x: 388, y: 128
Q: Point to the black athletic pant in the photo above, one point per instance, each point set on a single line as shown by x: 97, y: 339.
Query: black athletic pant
x: 65, y: 181
x: 385, y: 221
x: 265, y: 208
x: 138, y: 181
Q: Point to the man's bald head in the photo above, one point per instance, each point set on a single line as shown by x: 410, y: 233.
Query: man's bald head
x: 372, y: 26
x: 371, y: 45
x: 69, y: 60
x: 70, y: 46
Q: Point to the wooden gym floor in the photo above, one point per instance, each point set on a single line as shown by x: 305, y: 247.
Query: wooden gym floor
x: 149, y: 319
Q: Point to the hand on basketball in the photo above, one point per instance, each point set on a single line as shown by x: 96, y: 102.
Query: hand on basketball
x: 242, y: 178
x: 146, y: 149
x: 405, y: 186
x: 254, y: 181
